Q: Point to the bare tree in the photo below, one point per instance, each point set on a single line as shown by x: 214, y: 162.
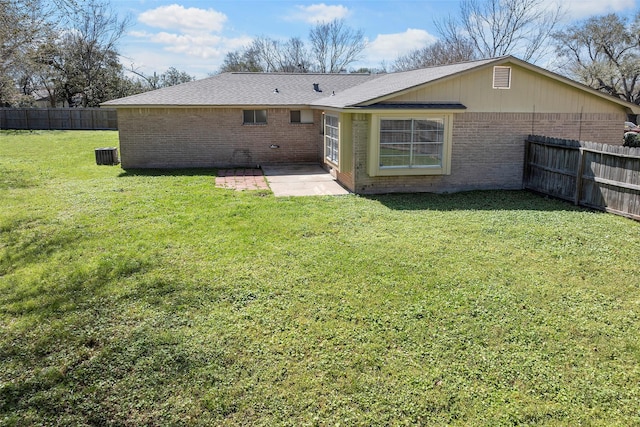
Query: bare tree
x: 505, y: 27
x: 334, y: 46
x: 438, y: 53
x: 265, y: 54
x: 85, y: 59
x: 277, y: 56
x: 604, y: 53
x: 296, y: 56
x: 269, y: 53
x: 242, y: 60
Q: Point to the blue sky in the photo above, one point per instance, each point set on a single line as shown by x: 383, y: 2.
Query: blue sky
x: 194, y: 36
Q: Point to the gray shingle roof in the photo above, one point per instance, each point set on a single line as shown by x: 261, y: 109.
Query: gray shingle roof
x: 388, y: 84
x: 297, y: 90
x: 244, y: 89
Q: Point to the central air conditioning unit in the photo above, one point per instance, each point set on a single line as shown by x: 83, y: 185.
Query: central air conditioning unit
x: 107, y: 156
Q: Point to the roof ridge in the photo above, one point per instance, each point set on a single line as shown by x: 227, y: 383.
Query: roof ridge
x: 484, y: 60
x: 280, y: 73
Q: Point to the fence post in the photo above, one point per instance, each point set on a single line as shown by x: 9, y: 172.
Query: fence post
x: 525, y: 170
x: 579, y: 174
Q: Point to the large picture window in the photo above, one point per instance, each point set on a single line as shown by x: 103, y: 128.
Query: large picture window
x: 411, y: 143
x: 331, y: 139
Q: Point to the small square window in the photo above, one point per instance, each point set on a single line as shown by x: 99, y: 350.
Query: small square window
x: 301, y: 116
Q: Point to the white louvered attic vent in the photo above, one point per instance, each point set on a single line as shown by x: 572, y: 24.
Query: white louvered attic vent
x: 501, y: 77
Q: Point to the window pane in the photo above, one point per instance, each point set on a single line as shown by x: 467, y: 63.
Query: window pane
x: 429, y: 130
x: 427, y: 154
x: 395, y: 155
x: 306, y: 116
x: 394, y: 137
x: 261, y: 116
x: 248, y: 116
x: 295, y: 116
x: 395, y: 125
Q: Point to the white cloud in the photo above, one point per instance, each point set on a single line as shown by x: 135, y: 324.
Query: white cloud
x: 387, y: 47
x: 581, y: 9
x: 139, y: 34
x: 194, y: 38
x: 183, y: 19
x: 199, y: 45
x: 148, y: 61
x: 202, y: 46
x: 319, y: 13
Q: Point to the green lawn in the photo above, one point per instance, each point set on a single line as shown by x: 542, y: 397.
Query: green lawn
x: 154, y: 298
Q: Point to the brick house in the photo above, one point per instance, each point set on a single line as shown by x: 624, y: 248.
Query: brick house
x: 439, y: 129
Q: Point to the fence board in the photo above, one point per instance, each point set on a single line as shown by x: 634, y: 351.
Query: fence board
x: 58, y: 119
x: 590, y: 174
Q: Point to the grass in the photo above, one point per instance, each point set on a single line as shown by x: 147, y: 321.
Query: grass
x: 154, y: 298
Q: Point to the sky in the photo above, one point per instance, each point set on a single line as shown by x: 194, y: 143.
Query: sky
x: 194, y: 36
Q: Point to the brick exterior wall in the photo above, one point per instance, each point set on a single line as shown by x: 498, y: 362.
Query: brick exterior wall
x: 487, y: 150
x: 208, y: 137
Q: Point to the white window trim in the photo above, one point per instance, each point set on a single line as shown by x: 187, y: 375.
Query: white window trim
x: 326, y: 136
x: 374, y: 168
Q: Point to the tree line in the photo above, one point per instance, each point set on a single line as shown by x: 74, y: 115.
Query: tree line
x: 602, y: 52
x: 67, y: 52
x: 331, y: 48
x: 69, y: 49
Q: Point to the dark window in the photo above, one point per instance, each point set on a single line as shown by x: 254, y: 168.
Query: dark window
x: 254, y: 116
x: 296, y: 117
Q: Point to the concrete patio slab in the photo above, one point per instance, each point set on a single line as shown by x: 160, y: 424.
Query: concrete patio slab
x: 301, y: 180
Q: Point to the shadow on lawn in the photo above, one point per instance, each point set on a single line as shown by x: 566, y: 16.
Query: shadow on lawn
x: 168, y: 172
x: 491, y: 200
x: 28, y: 241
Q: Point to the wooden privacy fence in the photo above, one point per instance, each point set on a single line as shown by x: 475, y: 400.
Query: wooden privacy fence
x: 58, y: 118
x: 590, y: 174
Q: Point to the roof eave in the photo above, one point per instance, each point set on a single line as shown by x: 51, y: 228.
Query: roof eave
x: 182, y: 106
